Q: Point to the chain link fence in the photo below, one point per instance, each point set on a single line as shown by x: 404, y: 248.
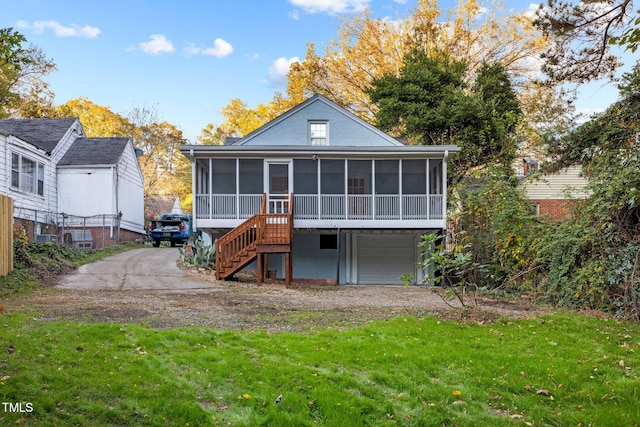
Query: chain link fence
x: 79, y: 232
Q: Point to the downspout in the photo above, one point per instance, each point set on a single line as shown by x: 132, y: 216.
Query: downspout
x: 194, y: 225
x: 445, y: 189
x: 338, y: 253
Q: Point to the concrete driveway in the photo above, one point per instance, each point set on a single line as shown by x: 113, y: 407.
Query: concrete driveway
x: 153, y: 269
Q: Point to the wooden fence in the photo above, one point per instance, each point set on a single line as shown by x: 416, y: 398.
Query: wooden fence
x: 6, y: 235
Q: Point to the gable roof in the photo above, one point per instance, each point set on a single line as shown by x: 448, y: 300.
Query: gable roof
x: 42, y: 133
x: 163, y: 203
x: 314, y: 99
x: 94, y: 151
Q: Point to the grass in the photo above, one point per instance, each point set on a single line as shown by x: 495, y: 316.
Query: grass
x: 565, y: 369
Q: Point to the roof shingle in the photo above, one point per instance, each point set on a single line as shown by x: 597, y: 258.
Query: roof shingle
x: 42, y: 133
x: 94, y: 151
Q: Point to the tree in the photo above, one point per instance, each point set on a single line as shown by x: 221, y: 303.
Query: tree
x: 98, y: 121
x: 594, y: 259
x: 431, y: 104
x: 582, y: 33
x: 165, y: 170
x: 367, y: 48
x: 23, y: 91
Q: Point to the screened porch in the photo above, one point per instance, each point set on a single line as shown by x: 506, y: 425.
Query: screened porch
x: 327, y: 192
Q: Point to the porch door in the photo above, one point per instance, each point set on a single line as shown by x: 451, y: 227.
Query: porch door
x: 278, y: 185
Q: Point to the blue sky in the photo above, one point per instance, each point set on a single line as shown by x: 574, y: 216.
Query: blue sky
x: 189, y: 59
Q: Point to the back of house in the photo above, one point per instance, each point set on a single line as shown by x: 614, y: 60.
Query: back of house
x: 358, y: 199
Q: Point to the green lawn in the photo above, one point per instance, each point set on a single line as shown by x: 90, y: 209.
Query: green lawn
x: 565, y: 369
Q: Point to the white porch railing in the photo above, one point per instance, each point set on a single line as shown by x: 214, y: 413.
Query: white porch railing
x: 249, y: 204
x: 406, y: 207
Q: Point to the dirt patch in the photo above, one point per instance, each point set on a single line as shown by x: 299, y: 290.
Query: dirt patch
x: 243, y: 305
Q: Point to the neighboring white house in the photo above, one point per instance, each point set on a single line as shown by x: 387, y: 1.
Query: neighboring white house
x: 43, y: 186
x: 361, y: 199
x: 99, y: 176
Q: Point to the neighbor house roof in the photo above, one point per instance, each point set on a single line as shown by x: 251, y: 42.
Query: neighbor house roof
x: 163, y: 203
x: 94, y: 151
x: 42, y: 133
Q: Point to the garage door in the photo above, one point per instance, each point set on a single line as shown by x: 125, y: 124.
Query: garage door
x: 383, y: 259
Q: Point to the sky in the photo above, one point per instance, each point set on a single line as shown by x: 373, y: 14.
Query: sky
x: 188, y: 59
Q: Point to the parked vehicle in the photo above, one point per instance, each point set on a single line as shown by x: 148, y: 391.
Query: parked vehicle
x: 172, y: 228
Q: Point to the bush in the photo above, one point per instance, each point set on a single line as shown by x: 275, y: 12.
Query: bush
x: 199, y: 255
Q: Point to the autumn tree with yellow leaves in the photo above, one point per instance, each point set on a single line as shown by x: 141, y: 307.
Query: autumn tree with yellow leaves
x: 366, y: 48
x: 165, y: 170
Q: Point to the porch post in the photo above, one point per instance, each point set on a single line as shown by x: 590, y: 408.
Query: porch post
x: 289, y: 273
x: 194, y: 192
x: 338, y: 253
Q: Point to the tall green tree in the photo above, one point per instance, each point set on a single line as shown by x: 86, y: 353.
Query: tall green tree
x: 430, y: 103
x: 23, y: 92
x: 582, y: 33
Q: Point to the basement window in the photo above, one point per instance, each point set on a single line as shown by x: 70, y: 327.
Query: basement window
x: 328, y: 241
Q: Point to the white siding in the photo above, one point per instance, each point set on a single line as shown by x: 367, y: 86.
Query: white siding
x: 130, y: 191
x: 26, y: 202
x: 74, y: 132
x: 558, y: 186
x: 86, y: 191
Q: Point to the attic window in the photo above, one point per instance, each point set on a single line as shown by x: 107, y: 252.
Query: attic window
x: 318, y: 134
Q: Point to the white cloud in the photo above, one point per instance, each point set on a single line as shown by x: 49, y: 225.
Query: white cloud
x: 220, y: 49
x: 157, y: 45
x: 331, y: 6
x: 279, y: 69
x: 60, y: 30
x: 531, y: 11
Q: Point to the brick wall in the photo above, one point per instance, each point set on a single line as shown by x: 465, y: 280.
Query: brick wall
x: 555, y: 209
x: 98, y: 233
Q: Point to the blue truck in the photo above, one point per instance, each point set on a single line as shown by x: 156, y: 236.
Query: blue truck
x: 173, y: 228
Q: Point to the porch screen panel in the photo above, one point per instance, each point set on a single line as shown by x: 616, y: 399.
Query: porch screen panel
x: 251, y: 186
x: 387, y: 176
x: 359, y: 189
x: 414, y: 189
x: 359, y: 179
x: 332, y: 177
x: 223, y: 188
x: 387, y: 179
x: 305, y: 188
x: 251, y: 176
x: 414, y: 177
x: 224, y: 176
x: 435, y: 176
x: 332, y: 189
x: 305, y: 176
x: 203, y: 197
x: 436, y: 186
x: 202, y: 176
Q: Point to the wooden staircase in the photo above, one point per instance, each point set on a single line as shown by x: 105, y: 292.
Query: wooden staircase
x: 258, y: 236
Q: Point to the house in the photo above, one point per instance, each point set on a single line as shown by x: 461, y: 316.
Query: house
x: 319, y: 194
x: 99, y: 176
x: 53, y: 172
x: 553, y: 193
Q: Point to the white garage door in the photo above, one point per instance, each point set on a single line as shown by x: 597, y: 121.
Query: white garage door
x: 383, y: 259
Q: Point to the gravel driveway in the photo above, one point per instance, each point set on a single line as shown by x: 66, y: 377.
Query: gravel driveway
x: 146, y: 286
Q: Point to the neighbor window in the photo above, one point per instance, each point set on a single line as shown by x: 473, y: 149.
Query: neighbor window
x: 318, y: 134
x: 27, y: 175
